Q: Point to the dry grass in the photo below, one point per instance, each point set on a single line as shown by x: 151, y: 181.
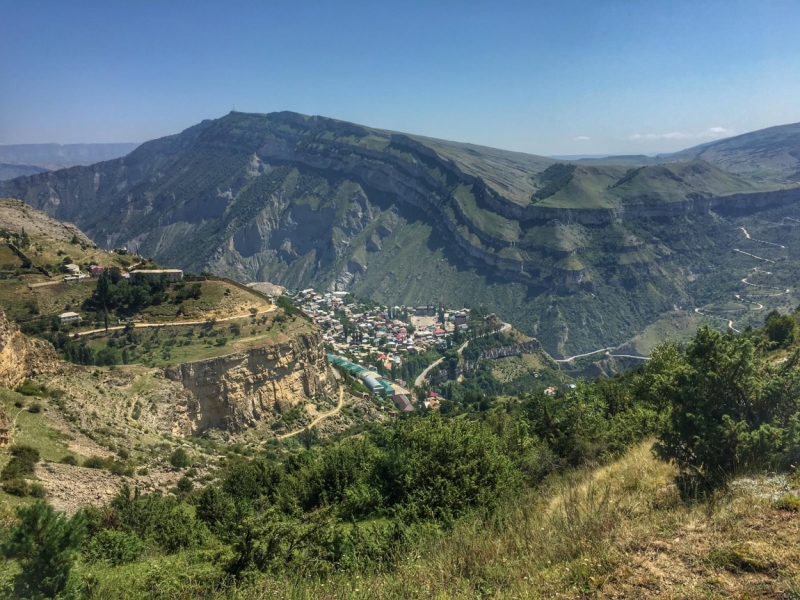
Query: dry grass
x: 619, y: 532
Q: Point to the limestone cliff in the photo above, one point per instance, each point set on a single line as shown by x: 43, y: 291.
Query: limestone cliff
x: 22, y: 357
x: 249, y: 388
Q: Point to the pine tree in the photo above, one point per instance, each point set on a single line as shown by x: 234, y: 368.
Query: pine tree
x: 45, y: 544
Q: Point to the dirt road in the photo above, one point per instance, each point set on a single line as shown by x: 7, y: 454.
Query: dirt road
x: 173, y: 323
x: 319, y: 418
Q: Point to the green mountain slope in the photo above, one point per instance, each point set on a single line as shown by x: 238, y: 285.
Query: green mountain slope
x: 568, y: 253
x: 771, y: 154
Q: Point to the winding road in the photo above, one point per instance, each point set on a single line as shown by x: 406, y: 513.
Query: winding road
x: 319, y: 418
x: 758, y: 305
x: 172, y: 323
x: 707, y: 314
x: 424, y: 375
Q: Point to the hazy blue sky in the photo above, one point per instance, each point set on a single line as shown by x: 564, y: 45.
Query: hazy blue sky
x: 549, y: 78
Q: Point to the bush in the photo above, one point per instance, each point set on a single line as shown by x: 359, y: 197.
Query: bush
x: 185, y: 485
x: 780, y: 329
x: 16, y: 487
x: 179, y: 459
x: 731, y: 410
x: 114, y: 547
x: 789, y: 503
x: 35, y: 408
x: 94, y: 462
x: 37, y: 490
x: 29, y: 388
x: 69, y: 459
x: 22, y: 463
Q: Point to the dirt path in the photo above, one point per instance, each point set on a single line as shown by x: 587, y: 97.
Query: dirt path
x: 330, y: 413
x: 173, y: 323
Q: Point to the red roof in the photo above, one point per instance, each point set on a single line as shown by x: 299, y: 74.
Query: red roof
x: 433, y: 395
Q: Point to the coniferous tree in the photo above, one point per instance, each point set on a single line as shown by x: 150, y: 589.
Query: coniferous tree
x: 45, y: 544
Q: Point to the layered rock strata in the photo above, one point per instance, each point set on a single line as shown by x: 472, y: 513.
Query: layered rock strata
x: 22, y: 357
x: 247, y: 389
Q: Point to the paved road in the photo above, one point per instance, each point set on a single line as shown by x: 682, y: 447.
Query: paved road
x: 730, y: 323
x: 569, y: 358
x: 754, y: 256
x: 173, y: 323
x: 319, y: 418
x: 422, y: 376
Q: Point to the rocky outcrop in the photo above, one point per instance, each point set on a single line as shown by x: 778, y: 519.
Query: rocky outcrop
x: 6, y: 423
x: 22, y: 357
x: 247, y: 389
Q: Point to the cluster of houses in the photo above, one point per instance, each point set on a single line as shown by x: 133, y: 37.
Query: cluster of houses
x: 389, y: 332
x: 382, y: 388
x: 382, y: 335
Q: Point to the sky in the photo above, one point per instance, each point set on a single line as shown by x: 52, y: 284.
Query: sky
x: 566, y: 77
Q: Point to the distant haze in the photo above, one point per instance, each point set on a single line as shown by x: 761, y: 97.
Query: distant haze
x: 58, y: 156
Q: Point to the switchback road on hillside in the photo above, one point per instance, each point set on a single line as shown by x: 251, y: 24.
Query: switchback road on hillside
x: 754, y: 256
x: 172, y: 323
x: 707, y: 314
x: 319, y: 418
x: 424, y: 375
x: 747, y: 235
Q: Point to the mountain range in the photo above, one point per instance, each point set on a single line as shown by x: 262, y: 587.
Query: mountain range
x: 581, y: 254
x: 49, y: 157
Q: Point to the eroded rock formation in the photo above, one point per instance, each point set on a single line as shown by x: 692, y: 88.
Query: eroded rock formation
x: 22, y: 357
x: 249, y: 388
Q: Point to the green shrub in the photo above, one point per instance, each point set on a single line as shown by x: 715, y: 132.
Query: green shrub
x: 184, y: 485
x: 35, y: 408
x: 69, y: 459
x: 37, y: 490
x: 780, y: 329
x: 179, y: 459
x: 29, y: 388
x: 114, y: 546
x: 730, y: 410
x: 94, y: 462
x: 740, y: 558
x: 25, y: 452
x: 16, y: 487
x: 22, y: 463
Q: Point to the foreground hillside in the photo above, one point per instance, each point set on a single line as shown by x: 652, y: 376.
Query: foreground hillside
x: 115, y: 375
x: 582, y: 256
x: 673, y: 480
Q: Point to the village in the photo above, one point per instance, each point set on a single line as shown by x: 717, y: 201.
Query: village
x: 384, y: 348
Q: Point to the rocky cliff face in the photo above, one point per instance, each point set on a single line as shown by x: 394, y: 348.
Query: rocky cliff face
x: 248, y: 389
x: 22, y: 357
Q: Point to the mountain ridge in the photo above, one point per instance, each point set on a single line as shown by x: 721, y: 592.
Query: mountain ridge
x: 311, y: 201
